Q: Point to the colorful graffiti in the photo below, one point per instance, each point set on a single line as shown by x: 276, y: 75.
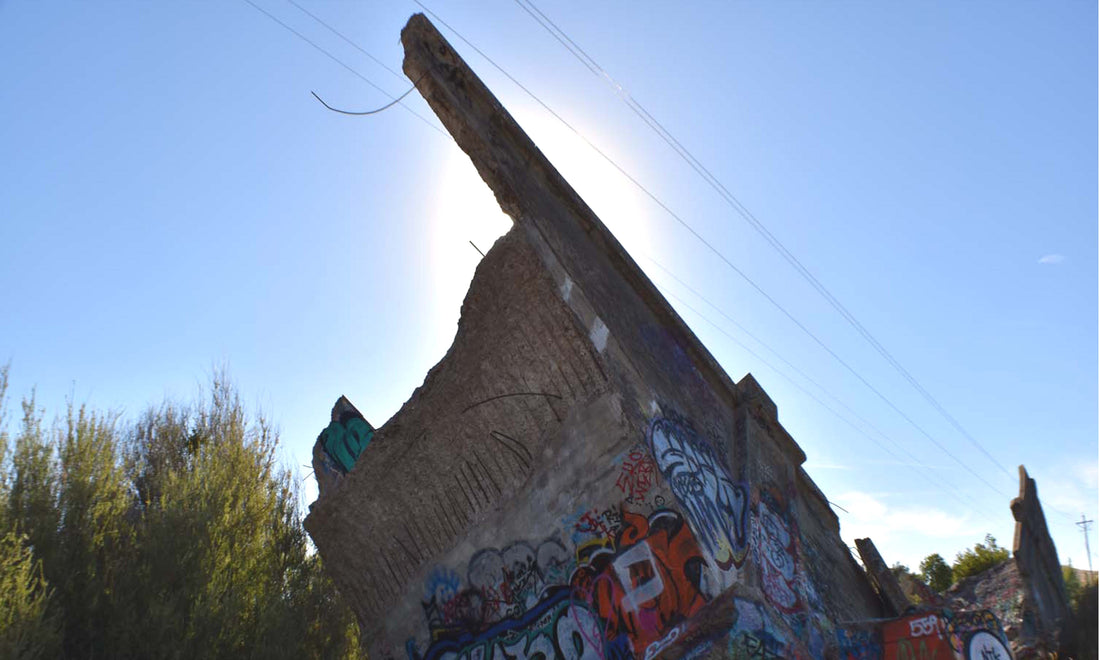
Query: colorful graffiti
x: 776, y: 550
x: 962, y: 625
x: 628, y: 595
x: 586, y: 525
x: 752, y: 634
x: 500, y: 584
x: 917, y: 637
x: 985, y: 645
x: 649, y: 584
x: 716, y: 508
x: 858, y: 644
x: 556, y: 627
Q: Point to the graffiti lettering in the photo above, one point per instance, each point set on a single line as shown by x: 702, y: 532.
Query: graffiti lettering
x: 961, y: 625
x: 858, y: 645
x: 555, y: 628
x: 984, y: 645
x: 917, y: 637
x: 500, y: 584
x: 775, y: 545
x: 662, y: 644
x: 637, y: 476
x: 649, y: 585
x: 928, y: 625
x: 716, y: 507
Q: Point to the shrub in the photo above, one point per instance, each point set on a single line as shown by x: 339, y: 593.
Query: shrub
x: 983, y: 557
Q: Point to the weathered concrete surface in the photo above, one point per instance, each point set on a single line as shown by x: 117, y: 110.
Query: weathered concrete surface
x: 577, y: 477
x: 1045, y: 603
x: 882, y: 578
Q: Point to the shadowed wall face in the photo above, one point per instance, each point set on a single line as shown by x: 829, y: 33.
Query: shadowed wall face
x: 1045, y: 608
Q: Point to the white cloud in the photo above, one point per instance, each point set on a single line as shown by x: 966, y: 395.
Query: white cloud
x: 1052, y: 259
x: 908, y: 532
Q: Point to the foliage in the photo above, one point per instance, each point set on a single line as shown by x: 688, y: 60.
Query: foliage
x: 27, y: 627
x: 1072, y: 582
x: 176, y: 536
x: 936, y: 573
x: 983, y: 557
x: 1083, y: 629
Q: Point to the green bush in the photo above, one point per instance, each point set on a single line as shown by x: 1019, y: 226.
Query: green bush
x: 27, y: 627
x: 177, y: 536
x: 983, y: 557
x: 936, y: 573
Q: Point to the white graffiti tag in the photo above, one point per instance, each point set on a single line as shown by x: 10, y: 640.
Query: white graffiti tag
x: 929, y: 625
x: 716, y: 507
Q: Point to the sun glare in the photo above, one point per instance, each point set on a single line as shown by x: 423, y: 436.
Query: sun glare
x: 466, y: 211
x: 615, y: 200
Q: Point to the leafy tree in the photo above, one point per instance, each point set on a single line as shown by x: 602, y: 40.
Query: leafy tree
x: 1072, y: 582
x: 27, y: 628
x: 178, y: 536
x: 936, y: 573
x: 1083, y: 630
x: 983, y: 557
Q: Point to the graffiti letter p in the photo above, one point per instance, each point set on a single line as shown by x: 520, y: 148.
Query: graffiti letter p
x: 638, y: 562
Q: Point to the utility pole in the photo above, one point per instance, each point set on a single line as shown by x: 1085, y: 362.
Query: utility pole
x: 1084, y: 525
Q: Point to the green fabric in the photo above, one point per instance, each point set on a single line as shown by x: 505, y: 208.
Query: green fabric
x: 344, y: 442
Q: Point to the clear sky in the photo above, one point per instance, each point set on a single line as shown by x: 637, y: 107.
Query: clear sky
x: 172, y: 198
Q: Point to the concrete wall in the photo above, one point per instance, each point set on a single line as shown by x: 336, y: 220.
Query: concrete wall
x: 577, y: 477
x: 1045, y: 608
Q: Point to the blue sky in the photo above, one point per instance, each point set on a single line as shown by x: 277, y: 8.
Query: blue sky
x: 174, y: 199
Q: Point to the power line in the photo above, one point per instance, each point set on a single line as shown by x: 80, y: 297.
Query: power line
x: 638, y: 184
x: 594, y: 67
x: 342, y: 63
x: 347, y: 40
x: 714, y: 250
x: 949, y: 488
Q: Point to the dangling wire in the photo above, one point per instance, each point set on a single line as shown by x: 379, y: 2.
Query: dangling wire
x: 369, y: 112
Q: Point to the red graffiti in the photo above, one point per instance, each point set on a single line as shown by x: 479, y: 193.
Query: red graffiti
x: 593, y: 522
x: 637, y: 477
x: 649, y: 584
x: 917, y: 637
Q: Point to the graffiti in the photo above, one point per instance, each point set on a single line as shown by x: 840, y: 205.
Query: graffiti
x: 858, y: 644
x: 556, y: 627
x: 752, y: 634
x: 775, y: 547
x: 637, y: 476
x: 918, y: 637
x: 605, y: 524
x: 699, y: 651
x: 500, y: 584
x: 984, y: 645
x: 649, y: 584
x: 344, y: 439
x: 751, y: 647
x: 961, y: 625
x: 662, y: 644
x: 716, y: 508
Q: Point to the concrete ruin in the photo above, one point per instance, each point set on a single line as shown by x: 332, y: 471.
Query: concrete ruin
x: 578, y: 477
x: 1044, y: 607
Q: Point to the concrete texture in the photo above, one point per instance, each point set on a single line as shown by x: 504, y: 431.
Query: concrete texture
x: 577, y: 477
x: 1045, y: 607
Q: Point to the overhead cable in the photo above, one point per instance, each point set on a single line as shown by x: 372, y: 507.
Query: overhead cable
x: 716, y: 252
x: 593, y: 66
x: 343, y: 64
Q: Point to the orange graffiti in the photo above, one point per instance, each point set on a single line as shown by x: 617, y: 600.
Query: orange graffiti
x: 649, y: 584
